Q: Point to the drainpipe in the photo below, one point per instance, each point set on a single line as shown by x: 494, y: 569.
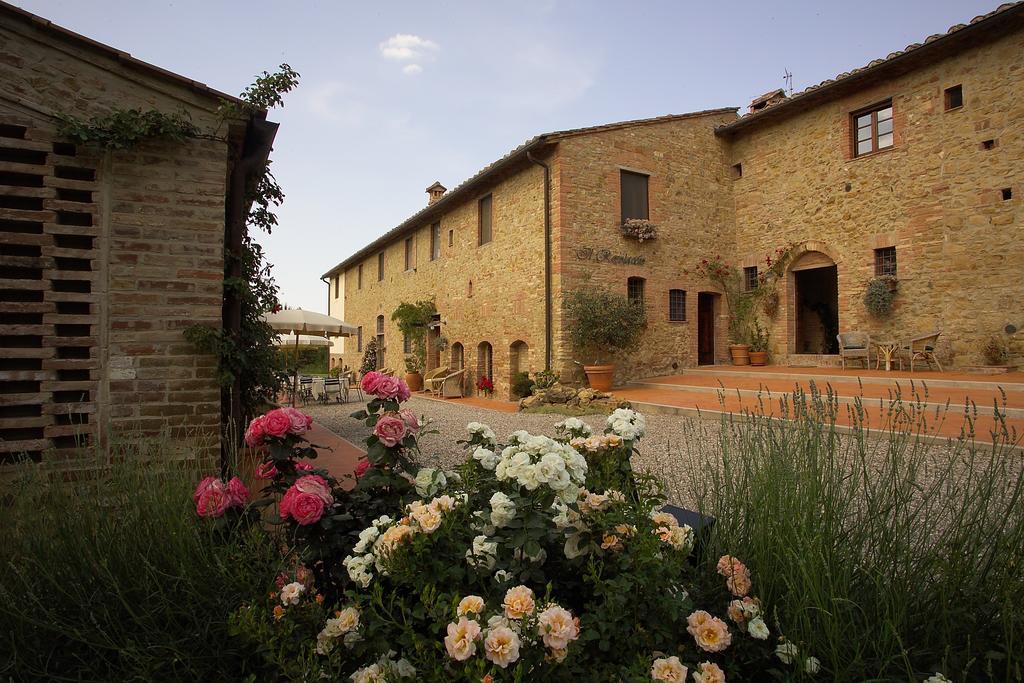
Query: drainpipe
x: 548, y: 305
x: 323, y: 279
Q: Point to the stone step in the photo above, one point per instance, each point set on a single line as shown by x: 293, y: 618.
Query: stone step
x: 1010, y: 382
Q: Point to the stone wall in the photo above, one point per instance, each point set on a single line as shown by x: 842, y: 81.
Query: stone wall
x: 128, y: 250
x: 936, y: 196
x: 491, y: 293
x: 689, y: 201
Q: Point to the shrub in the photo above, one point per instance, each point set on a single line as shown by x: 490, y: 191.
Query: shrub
x: 116, y: 578
x: 601, y: 322
x: 879, y: 296
x: 512, y: 568
x: 545, y: 379
x: 995, y: 350
x: 369, y: 357
x: 522, y: 385
x: 887, y: 558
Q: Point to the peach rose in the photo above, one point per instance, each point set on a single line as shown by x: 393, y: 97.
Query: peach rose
x: 709, y: 673
x: 518, y: 602
x: 461, y: 639
x: 428, y: 518
x: 390, y: 429
x: 276, y: 423
x: 739, y: 583
x: 557, y: 627
x: 471, y: 604
x: 668, y: 669
x: 501, y: 646
x: 710, y: 633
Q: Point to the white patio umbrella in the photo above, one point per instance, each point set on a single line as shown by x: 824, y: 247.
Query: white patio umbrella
x: 299, y: 323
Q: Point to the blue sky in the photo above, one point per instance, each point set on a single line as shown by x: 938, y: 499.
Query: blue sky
x: 396, y: 95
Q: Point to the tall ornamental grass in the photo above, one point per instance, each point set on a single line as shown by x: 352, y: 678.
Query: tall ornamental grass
x: 886, y: 555
x: 117, y: 579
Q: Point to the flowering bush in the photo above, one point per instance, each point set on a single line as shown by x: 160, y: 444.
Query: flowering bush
x: 485, y: 385
x: 639, y: 229
x: 520, y: 565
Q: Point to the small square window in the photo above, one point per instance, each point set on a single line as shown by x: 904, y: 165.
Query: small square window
x: 677, y: 305
x: 988, y: 144
x: 737, y: 171
x: 750, y: 278
x: 451, y: 238
x: 885, y: 262
x: 1006, y: 193
x: 954, y: 97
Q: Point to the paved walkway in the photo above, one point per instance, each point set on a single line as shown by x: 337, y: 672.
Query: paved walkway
x: 337, y: 455
x: 942, y: 398
x: 476, y: 402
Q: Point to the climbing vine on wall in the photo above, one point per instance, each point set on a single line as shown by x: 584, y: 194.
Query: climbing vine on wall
x: 251, y: 357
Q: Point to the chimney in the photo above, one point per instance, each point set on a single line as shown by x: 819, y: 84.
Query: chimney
x: 435, y: 191
x: 767, y: 100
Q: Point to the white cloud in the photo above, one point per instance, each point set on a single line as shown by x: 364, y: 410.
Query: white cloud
x: 405, y: 47
x: 412, y: 69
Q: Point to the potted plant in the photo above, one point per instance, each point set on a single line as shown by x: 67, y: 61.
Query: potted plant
x: 758, y: 346
x: 413, y: 320
x: 485, y: 385
x: 369, y: 363
x: 879, y: 295
x: 639, y: 229
x: 995, y: 350
x: 600, y: 324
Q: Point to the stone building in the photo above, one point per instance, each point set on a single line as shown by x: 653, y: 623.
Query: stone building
x: 105, y: 257
x: 910, y: 166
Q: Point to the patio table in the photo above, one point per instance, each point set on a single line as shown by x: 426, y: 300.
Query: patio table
x: 885, y: 348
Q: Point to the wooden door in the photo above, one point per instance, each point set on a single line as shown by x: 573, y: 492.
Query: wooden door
x: 705, y: 328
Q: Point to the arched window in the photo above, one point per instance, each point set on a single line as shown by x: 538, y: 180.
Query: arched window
x: 635, y: 290
x: 458, y: 356
x: 518, y: 358
x: 484, y: 361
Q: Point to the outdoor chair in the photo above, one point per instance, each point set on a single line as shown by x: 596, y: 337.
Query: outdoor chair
x: 352, y: 383
x: 332, y: 387
x: 451, y: 385
x: 854, y: 346
x: 922, y: 348
x: 306, y: 389
x: 432, y: 380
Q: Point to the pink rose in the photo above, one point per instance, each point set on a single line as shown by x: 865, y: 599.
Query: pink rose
x: 266, y: 470
x: 393, y: 388
x: 315, y: 485
x: 370, y: 382
x: 205, y: 484
x: 304, y: 508
x: 408, y: 416
x: 390, y: 429
x: 214, y: 500
x: 303, y: 466
x: 276, y: 423
x: 362, y: 467
x: 237, y: 491
x: 300, y: 422
x: 255, y: 432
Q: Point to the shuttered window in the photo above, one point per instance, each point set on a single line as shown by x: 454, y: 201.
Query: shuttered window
x: 633, y: 189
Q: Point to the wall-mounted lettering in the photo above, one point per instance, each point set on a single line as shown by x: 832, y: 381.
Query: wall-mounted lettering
x: 606, y: 256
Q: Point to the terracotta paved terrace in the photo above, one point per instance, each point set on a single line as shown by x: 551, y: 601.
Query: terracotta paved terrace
x: 942, y: 397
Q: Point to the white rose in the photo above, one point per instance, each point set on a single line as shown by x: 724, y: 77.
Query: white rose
x: 812, y: 665
x: 786, y: 652
x: 403, y: 669
x: 486, y: 457
x: 429, y: 481
x: 291, y: 593
x: 502, y: 576
x: 573, y: 548
x: 758, y: 629
x: 503, y: 510
x: 527, y: 477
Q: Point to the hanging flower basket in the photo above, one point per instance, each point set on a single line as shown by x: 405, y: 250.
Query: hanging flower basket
x: 639, y: 229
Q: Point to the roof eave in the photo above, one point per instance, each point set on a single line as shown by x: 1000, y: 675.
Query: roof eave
x: 999, y: 22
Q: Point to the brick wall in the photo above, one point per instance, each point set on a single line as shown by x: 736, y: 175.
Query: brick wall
x: 151, y: 262
x: 491, y: 293
x: 935, y: 196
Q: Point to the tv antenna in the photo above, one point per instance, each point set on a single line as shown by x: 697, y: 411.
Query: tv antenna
x: 788, y: 78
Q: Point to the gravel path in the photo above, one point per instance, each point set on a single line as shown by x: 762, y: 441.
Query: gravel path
x: 662, y: 451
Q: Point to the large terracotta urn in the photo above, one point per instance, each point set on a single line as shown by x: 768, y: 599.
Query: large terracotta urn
x: 600, y: 376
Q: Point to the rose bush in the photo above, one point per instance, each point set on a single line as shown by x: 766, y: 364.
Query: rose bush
x: 523, y: 564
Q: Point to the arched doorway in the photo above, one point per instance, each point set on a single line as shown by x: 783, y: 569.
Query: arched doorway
x: 458, y: 357
x: 518, y: 361
x: 814, y: 304
x: 485, y: 361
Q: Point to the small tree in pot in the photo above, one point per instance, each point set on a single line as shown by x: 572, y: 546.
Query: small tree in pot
x: 413, y: 321
x: 601, y: 323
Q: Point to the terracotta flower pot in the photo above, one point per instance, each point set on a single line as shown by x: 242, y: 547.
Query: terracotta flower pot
x: 600, y: 376
x: 414, y: 380
x: 758, y: 358
x: 740, y: 354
